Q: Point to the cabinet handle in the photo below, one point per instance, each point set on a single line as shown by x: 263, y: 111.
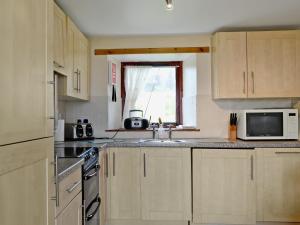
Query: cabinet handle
x: 79, y: 81
x: 244, y: 78
x: 75, y: 87
x: 114, y: 164
x: 50, y: 82
x: 56, y: 198
x: 145, y: 173
x: 71, y: 189
x: 287, y: 152
x: 106, y: 166
x: 252, y: 76
x: 252, y: 167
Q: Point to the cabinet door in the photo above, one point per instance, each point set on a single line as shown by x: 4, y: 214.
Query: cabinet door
x: 272, y: 62
x: 71, y: 82
x: 83, y: 51
x: 26, y: 183
x: 223, y: 186
x: 166, y: 184
x: 279, y: 189
x: 60, y: 39
x: 125, y: 184
x: 23, y: 62
x: 72, y: 214
x: 229, y: 65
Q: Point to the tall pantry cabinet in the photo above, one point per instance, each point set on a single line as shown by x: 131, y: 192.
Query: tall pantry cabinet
x: 26, y: 111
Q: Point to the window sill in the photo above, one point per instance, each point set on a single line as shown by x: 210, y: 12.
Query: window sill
x: 149, y: 130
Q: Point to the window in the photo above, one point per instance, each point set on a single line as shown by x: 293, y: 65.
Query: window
x: 155, y: 88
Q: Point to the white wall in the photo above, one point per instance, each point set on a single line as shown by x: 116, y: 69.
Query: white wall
x: 212, y: 116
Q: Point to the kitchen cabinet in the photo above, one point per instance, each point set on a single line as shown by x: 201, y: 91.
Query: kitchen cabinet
x: 272, y: 62
x: 72, y: 214
x: 278, y: 191
x: 60, y: 40
x: 223, y: 186
x: 166, y: 184
x: 125, y: 183
x: 76, y: 84
x: 103, y: 192
x: 26, y: 183
x: 229, y: 59
x: 25, y: 85
x: 262, y: 64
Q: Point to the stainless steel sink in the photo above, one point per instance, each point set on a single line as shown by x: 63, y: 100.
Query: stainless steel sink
x: 161, y: 141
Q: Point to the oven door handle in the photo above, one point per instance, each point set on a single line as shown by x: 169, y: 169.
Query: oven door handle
x: 97, y: 168
x: 90, y: 216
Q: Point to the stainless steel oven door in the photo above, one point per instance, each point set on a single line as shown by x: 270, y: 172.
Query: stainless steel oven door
x: 92, y: 212
x: 91, y: 183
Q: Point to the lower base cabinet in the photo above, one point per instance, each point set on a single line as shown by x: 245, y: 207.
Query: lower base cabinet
x: 26, y: 183
x: 166, y: 184
x: 278, y: 184
x: 149, y: 184
x: 72, y: 214
x: 223, y: 186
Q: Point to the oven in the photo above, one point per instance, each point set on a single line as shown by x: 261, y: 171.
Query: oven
x: 91, y: 199
x: 90, y: 180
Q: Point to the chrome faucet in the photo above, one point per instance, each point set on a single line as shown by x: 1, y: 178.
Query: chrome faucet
x: 153, y: 132
x: 170, y: 132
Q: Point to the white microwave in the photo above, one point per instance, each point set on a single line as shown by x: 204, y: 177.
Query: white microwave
x: 267, y: 124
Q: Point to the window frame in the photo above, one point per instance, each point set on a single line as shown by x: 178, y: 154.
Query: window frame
x: 179, y: 83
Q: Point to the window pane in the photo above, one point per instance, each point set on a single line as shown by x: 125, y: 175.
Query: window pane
x: 157, y: 95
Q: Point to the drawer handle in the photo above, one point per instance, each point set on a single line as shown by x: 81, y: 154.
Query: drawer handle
x: 71, y: 189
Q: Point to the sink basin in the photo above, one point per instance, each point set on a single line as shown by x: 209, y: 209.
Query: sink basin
x: 161, y: 141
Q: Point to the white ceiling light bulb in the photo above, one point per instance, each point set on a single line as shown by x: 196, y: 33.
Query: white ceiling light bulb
x: 169, y: 4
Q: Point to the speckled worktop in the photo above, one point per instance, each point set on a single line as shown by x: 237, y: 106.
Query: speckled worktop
x: 66, y: 166
x: 186, y: 143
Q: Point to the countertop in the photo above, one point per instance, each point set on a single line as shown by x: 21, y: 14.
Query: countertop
x: 65, y: 166
x: 186, y: 143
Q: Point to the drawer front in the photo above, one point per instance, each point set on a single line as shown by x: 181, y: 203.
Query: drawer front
x: 68, y: 189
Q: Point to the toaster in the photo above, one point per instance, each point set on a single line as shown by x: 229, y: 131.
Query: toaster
x: 79, y: 131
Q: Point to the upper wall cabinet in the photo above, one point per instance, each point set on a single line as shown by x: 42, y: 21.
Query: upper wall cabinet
x: 60, y: 40
x: 263, y: 64
x: 229, y: 65
x: 76, y: 84
x: 25, y: 72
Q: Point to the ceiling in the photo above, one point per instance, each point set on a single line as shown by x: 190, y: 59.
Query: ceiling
x: 149, y: 17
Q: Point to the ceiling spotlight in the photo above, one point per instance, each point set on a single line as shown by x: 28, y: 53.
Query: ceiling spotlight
x: 169, y: 4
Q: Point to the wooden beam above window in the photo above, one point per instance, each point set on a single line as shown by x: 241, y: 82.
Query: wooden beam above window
x: 125, y: 51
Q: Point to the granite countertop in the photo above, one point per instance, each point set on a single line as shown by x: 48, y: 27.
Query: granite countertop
x: 65, y: 166
x: 181, y: 143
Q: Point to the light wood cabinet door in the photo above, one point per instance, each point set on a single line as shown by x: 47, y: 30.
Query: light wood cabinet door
x: 272, y: 64
x: 229, y: 65
x: 24, y: 67
x: 76, y: 85
x: 27, y: 183
x: 125, y: 183
x: 223, y: 186
x: 278, y: 185
x: 60, y: 40
x: 83, y: 54
x: 166, y: 184
x: 72, y: 214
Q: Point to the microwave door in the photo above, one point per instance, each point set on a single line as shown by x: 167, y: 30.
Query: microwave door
x: 264, y: 124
